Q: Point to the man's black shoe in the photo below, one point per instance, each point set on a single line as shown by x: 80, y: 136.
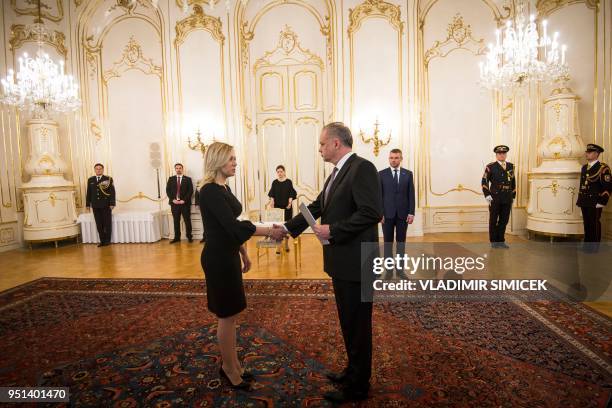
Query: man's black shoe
x: 345, y: 395
x: 174, y: 241
x: 503, y: 245
x: 336, y: 377
x: 190, y: 239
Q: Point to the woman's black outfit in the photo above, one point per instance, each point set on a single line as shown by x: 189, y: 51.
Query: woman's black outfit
x: 221, y: 255
x: 281, y: 191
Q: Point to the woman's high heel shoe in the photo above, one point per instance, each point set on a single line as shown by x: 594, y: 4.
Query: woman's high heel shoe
x: 247, y: 375
x: 244, y: 385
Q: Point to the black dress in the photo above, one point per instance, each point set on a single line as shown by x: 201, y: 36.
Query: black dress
x: 281, y: 191
x: 221, y: 257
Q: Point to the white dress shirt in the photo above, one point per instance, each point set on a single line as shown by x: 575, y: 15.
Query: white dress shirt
x: 342, y: 161
x: 399, y: 170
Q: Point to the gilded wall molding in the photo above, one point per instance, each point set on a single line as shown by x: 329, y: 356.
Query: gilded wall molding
x: 391, y: 13
x: 128, y: 5
x: 140, y: 196
x: 460, y: 188
x: 45, y: 10
x: 375, y: 8
x: 288, y: 51
x: 92, y: 63
x: 181, y: 3
x: 198, y: 21
x: 246, y: 36
x: 95, y: 130
x: 132, y: 58
x: 546, y: 7
x: 501, y: 12
x: 459, y: 36
x: 20, y: 35
x: 506, y: 111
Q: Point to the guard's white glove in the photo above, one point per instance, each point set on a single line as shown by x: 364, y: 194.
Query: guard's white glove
x: 489, y: 199
x: 599, y: 206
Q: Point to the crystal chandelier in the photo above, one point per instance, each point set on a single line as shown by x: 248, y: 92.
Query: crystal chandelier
x: 40, y: 85
x: 522, y: 56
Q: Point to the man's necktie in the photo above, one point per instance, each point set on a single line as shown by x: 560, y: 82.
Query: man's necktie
x: 98, y: 179
x: 178, y: 189
x: 504, y: 165
x: 395, y: 180
x: 331, y: 181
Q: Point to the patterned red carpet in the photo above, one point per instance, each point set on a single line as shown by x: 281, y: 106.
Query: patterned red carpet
x: 152, y: 343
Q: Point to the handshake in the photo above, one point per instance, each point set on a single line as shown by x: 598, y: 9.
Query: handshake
x: 278, y: 232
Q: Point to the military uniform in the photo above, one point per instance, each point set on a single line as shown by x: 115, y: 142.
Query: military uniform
x: 101, y: 197
x: 595, y: 188
x: 499, y: 183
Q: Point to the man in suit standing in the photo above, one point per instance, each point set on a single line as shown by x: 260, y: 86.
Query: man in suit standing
x: 101, y: 197
x: 350, y: 209
x: 397, y: 187
x: 499, y: 188
x: 595, y: 189
x: 179, y: 190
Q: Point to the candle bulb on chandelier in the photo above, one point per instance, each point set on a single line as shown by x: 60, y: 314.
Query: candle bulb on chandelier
x: 563, y: 48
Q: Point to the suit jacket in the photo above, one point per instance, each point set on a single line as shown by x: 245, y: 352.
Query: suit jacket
x: 595, y: 185
x: 186, y: 189
x: 100, y: 194
x: 398, y: 198
x: 353, y: 211
x: 498, y: 183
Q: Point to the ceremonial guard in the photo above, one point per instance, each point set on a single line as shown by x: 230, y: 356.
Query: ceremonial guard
x: 595, y: 188
x: 101, y: 198
x: 499, y: 189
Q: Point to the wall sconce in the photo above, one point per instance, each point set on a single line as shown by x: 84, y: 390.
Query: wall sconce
x: 198, y: 144
x: 378, y: 142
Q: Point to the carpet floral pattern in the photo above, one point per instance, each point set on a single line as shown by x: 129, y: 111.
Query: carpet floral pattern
x: 152, y: 343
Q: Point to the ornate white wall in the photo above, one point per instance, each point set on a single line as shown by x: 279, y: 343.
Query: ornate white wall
x: 267, y: 75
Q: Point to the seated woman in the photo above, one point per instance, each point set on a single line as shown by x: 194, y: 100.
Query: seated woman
x: 282, y: 195
x: 225, y: 238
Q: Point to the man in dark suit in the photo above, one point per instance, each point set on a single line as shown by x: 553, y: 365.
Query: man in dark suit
x: 397, y: 187
x: 179, y: 190
x: 350, y: 209
x: 595, y: 189
x: 499, y: 188
x: 100, y: 197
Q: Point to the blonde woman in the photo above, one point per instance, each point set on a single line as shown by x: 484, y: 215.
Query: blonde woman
x: 221, y: 256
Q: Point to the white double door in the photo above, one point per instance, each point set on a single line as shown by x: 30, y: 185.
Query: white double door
x: 290, y: 116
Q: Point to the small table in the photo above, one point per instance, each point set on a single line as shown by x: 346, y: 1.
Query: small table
x: 128, y: 226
